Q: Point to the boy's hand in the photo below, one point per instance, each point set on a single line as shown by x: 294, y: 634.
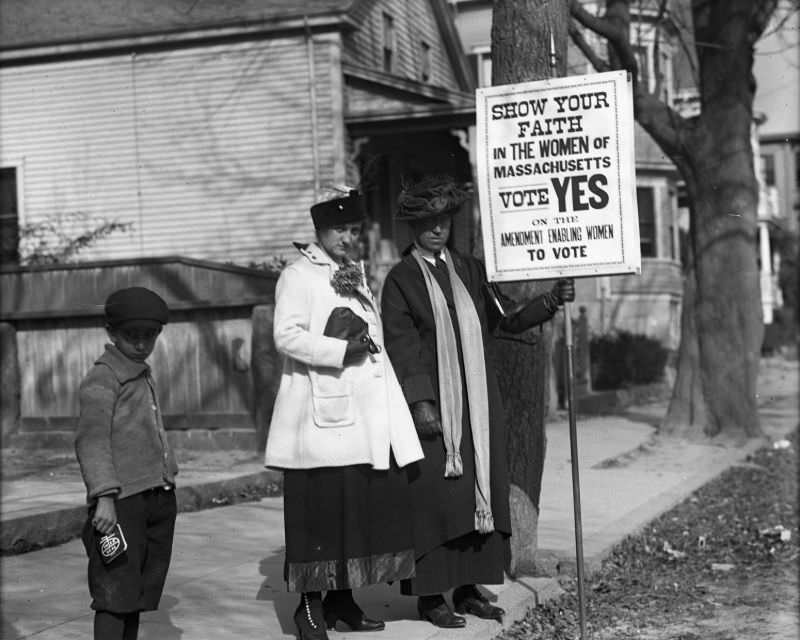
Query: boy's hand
x: 105, y: 516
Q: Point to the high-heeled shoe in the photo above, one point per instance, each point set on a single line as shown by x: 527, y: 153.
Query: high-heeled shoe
x: 435, y: 610
x: 468, y: 599
x: 309, y: 618
x: 339, y: 605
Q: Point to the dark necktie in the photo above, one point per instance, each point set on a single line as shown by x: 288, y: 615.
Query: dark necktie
x: 440, y: 264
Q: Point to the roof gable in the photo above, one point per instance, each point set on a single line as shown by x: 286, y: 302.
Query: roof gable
x: 426, y: 52
x: 43, y: 23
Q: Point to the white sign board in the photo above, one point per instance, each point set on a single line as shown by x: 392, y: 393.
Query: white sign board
x: 556, y: 177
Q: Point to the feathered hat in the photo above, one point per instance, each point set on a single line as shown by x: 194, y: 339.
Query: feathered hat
x: 431, y: 196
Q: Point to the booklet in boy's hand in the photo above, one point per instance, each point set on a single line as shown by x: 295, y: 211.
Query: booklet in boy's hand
x: 112, y: 545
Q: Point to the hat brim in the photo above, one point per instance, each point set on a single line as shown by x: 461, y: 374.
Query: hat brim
x: 424, y: 215
x: 145, y: 323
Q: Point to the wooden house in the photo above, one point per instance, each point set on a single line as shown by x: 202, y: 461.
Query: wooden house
x: 211, y: 127
x: 208, y: 129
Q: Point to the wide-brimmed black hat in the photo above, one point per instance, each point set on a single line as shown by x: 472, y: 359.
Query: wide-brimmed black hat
x: 331, y: 213
x: 431, y: 196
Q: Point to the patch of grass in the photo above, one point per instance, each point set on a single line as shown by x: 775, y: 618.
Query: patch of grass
x: 721, y: 547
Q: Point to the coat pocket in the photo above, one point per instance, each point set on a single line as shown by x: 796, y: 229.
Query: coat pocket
x: 332, y: 400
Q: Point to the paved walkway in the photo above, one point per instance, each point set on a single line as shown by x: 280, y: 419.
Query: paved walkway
x: 226, y: 579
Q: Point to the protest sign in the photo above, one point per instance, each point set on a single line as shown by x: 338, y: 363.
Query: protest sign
x: 556, y: 178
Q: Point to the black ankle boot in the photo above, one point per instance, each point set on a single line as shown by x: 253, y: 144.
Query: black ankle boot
x: 468, y: 599
x: 308, y: 617
x: 434, y: 609
x: 339, y: 605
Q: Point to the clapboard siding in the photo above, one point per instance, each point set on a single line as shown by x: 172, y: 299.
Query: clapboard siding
x: 414, y: 22
x: 74, y: 139
x: 188, y: 145
x: 659, y: 276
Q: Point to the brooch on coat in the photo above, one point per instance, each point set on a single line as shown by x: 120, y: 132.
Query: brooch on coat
x: 347, y: 280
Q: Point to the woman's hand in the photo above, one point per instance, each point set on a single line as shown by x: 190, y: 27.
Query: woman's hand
x: 356, y: 349
x: 426, y: 418
x: 563, y: 291
x: 105, y: 516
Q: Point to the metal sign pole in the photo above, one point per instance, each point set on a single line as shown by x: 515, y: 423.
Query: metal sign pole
x: 573, y: 449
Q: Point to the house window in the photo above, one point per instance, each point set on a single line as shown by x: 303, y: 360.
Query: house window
x: 645, y: 200
x: 655, y: 72
x: 425, y: 61
x: 9, y: 216
x: 481, y: 62
x: 664, y: 73
x: 388, y: 43
x: 640, y: 52
x: 797, y: 168
x: 768, y: 169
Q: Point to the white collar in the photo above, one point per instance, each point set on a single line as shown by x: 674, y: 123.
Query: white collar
x: 430, y: 257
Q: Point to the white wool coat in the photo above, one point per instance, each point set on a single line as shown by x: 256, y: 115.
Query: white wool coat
x: 327, y: 414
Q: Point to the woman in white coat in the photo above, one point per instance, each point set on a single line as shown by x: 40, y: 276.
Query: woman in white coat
x: 340, y: 430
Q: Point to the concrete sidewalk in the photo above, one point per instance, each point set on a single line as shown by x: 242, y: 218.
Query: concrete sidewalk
x: 226, y: 576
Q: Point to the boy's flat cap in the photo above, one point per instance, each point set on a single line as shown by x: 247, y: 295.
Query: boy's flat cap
x: 136, y: 303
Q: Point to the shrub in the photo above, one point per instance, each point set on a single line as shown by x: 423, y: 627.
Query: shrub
x: 60, y: 238
x: 623, y: 359
x: 782, y: 332
x: 273, y: 265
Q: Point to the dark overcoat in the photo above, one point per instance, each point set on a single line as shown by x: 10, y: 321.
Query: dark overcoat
x: 444, y: 508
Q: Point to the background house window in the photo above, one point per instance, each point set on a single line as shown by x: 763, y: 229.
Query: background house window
x: 425, y: 61
x: 655, y: 72
x: 645, y: 200
x: 388, y: 43
x: 768, y: 169
x: 481, y: 62
x: 9, y: 216
x: 640, y: 52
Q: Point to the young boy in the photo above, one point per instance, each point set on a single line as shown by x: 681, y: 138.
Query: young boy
x: 128, y: 468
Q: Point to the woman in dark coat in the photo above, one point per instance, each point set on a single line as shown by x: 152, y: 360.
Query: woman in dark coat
x: 438, y: 310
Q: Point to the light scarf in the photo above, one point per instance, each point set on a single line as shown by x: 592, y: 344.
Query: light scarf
x: 450, y: 399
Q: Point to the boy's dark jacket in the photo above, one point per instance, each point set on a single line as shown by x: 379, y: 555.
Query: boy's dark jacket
x: 120, y: 441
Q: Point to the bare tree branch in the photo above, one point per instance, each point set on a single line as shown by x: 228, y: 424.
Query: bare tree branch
x: 666, y: 126
x: 615, y: 36
x: 600, y: 26
x: 576, y: 35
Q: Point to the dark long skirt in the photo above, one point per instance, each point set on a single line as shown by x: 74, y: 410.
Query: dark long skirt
x: 346, y: 527
x: 473, y: 558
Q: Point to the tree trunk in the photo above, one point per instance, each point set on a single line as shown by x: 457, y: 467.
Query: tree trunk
x: 725, y: 293
x: 722, y: 330
x: 728, y: 302
x: 521, y: 36
x: 687, y: 407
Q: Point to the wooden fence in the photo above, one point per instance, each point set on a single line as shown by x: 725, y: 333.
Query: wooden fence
x: 202, y: 361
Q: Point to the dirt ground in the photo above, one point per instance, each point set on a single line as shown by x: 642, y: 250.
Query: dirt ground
x: 761, y: 605
x: 721, y: 565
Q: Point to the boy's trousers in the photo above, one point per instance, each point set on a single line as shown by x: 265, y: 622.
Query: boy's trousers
x: 134, y: 580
